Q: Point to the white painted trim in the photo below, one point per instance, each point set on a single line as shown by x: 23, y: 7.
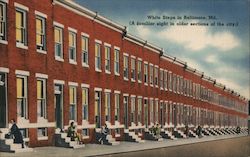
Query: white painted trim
x: 59, y: 82
x: 146, y: 98
x: 133, y: 96
x: 42, y: 138
x: 4, y: 42
x: 41, y: 51
x: 125, y: 94
x: 22, y: 72
x: 58, y: 24
x: 139, y: 97
x: 83, y: 85
x: 117, y: 48
x: 97, y: 89
x: 151, y: 98
x: 107, y: 44
x: 72, y: 29
x: 145, y: 62
x: 157, y: 99
x: 4, y: 70
x: 72, y: 83
x: 156, y: 66
x: 125, y: 54
x: 151, y: 64
x: 133, y: 56
x: 84, y: 34
x: 40, y: 14
x: 40, y: 75
x: 20, y: 6
x: 139, y: 59
x: 117, y: 92
x: 22, y: 46
x: 107, y: 90
x: 98, y: 41
x: 5, y: 1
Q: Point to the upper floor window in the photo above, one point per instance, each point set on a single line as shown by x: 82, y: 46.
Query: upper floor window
x: 107, y: 59
x: 98, y: 57
x: 146, y: 73
x: 151, y: 75
x: 132, y: 69
x: 72, y: 47
x: 58, y: 43
x: 161, y: 78
x: 174, y: 82
x: 85, y: 51
x: 156, y: 77
x: 40, y: 33
x: 21, y: 27
x: 170, y: 85
x: 125, y: 67
x: 165, y: 80
x: 139, y: 71
x: 2, y: 21
x: 116, y: 62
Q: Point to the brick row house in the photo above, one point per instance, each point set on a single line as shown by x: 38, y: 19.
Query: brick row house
x: 60, y: 62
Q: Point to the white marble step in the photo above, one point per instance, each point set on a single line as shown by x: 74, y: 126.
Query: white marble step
x: 22, y: 150
x: 15, y: 146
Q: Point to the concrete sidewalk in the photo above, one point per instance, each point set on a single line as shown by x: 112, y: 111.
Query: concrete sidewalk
x: 96, y: 149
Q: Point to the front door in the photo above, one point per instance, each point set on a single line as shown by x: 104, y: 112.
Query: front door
x: 146, y: 113
x: 98, y: 109
x: 58, y: 106
x: 175, y: 115
x: 125, y: 111
x: 161, y: 115
x: 3, y: 115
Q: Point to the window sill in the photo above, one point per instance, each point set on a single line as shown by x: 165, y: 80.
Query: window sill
x: 132, y: 80
x: 161, y: 88
x: 126, y: 79
x: 156, y: 86
x: 98, y: 70
x: 117, y: 74
x: 72, y: 62
x: 107, y: 72
x: 22, y: 46
x: 85, y: 65
x: 43, y: 138
x: 4, y: 42
x: 139, y: 81
x: 41, y: 51
x: 145, y: 84
x: 151, y: 85
x: 59, y: 59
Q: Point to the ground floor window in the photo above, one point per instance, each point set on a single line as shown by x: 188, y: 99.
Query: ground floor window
x: 22, y: 107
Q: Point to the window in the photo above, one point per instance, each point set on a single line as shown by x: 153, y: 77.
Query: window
x: 125, y: 67
x: 58, y: 43
x: 72, y: 47
x: 165, y: 80
x: 174, y: 83
x: 41, y: 98
x: 40, y: 33
x: 85, y: 132
x: 132, y: 109
x: 21, y: 27
x: 156, y: 77
x: 22, y: 107
x: 98, y: 57
x: 146, y: 74
x: 2, y: 21
x: 151, y: 102
x: 107, y: 59
x: 156, y: 111
x: 85, y: 103
x: 42, y: 132
x: 139, y: 110
x: 72, y: 103
x: 116, y: 62
x: 151, y: 75
x: 107, y: 106
x: 132, y: 69
x: 161, y: 78
x: 85, y: 51
x: 139, y: 71
x: 178, y: 84
x: 117, y: 107
x: 170, y: 85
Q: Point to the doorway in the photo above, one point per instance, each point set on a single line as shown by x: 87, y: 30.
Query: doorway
x: 125, y: 102
x: 3, y: 100
x: 98, y: 109
x: 58, y: 105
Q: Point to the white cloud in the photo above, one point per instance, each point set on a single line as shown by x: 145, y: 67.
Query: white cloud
x: 143, y: 32
x: 211, y: 59
x: 197, y: 38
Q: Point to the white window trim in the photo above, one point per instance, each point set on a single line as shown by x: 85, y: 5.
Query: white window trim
x: 85, y: 34
x: 139, y: 59
x: 4, y: 42
x: 83, y: 85
x: 40, y: 75
x: 98, y: 41
x: 57, y: 24
x: 117, y: 92
x: 59, y: 82
x: 38, y: 13
x: 134, y: 57
x: 18, y: 5
x: 4, y: 70
x: 75, y: 84
x: 117, y: 48
x: 22, y: 72
x: 139, y: 97
x: 41, y: 51
x: 98, y: 89
x: 5, y: 1
x: 125, y: 94
x: 107, y: 90
x: 72, y: 30
x: 133, y: 96
x: 126, y: 54
x: 59, y: 59
x: 21, y: 45
x: 107, y: 44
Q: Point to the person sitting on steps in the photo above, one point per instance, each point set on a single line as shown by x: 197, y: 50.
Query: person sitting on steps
x: 104, y: 133
x: 73, y: 134
x: 15, y: 133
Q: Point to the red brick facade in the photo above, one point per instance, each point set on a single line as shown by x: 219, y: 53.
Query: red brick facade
x: 70, y: 15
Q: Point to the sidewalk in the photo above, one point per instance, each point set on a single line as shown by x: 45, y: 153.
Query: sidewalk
x: 96, y: 149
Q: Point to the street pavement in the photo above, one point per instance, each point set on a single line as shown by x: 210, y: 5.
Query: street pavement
x: 213, y: 146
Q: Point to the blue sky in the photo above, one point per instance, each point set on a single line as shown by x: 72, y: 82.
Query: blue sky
x: 221, y: 52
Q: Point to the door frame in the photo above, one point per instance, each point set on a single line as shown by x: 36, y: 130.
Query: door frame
x: 61, y: 103
x: 99, y: 108
x: 125, y: 113
x: 6, y: 96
